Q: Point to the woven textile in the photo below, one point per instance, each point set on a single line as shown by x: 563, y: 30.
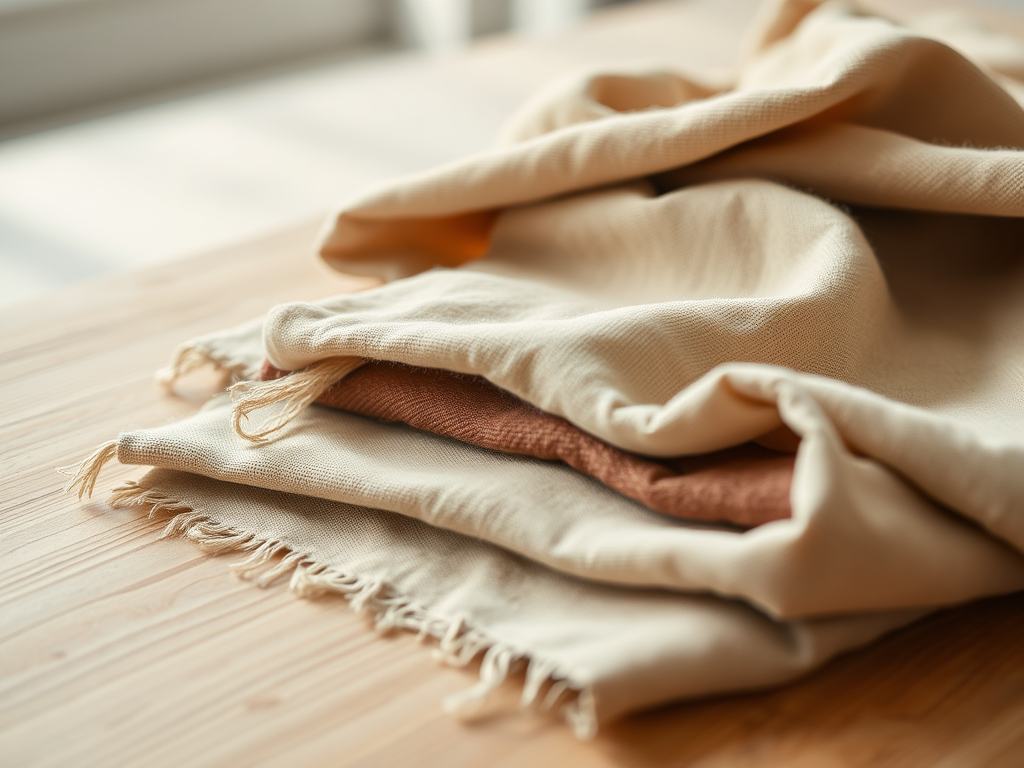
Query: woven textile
x: 825, y: 258
x: 746, y: 486
x: 623, y: 648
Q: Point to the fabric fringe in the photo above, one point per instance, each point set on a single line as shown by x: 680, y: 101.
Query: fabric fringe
x: 458, y: 643
x: 84, y: 474
x: 191, y: 356
x: 295, y: 392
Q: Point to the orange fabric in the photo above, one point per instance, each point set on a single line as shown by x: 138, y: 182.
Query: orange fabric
x: 746, y: 486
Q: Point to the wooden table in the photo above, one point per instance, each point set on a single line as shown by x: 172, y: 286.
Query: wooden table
x: 121, y: 649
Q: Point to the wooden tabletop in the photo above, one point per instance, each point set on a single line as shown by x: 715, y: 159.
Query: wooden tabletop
x: 121, y: 649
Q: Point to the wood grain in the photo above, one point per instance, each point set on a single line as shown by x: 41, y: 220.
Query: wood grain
x: 121, y: 649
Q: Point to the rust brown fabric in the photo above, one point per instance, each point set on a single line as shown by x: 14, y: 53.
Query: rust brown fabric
x: 745, y: 486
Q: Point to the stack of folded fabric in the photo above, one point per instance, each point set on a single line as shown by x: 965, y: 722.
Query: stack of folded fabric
x: 676, y: 391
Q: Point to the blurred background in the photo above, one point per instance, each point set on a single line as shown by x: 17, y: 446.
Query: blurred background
x: 133, y: 131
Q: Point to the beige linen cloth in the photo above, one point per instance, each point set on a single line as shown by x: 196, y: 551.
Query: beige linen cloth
x: 826, y: 256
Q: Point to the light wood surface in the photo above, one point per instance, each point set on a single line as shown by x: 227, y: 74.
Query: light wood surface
x: 120, y: 649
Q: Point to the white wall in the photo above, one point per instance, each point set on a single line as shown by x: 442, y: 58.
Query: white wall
x: 58, y: 55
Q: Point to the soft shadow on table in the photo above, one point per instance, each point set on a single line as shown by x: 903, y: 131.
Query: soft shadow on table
x: 952, y: 683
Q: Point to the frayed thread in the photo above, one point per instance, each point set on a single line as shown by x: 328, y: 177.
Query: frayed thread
x: 191, y: 356
x: 458, y: 643
x: 84, y: 474
x: 294, y: 392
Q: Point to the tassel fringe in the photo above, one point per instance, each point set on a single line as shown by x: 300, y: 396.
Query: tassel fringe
x: 192, y: 356
x: 295, y: 392
x: 85, y: 473
x: 458, y: 643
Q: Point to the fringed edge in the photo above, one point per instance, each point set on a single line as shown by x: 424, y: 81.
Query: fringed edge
x: 295, y: 392
x: 458, y: 642
x: 191, y: 356
x: 84, y: 474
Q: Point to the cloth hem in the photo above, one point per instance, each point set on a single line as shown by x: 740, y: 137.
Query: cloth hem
x: 271, y: 559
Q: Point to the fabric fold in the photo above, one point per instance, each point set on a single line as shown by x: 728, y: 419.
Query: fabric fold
x: 745, y: 486
x: 615, y: 649
x: 650, y: 274
x: 859, y: 539
x: 833, y: 66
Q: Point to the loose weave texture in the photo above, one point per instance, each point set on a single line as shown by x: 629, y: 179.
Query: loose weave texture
x: 830, y: 249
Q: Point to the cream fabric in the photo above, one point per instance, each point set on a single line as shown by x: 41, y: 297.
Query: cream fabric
x: 719, y: 310
x: 625, y: 648
x: 893, y: 551
x: 835, y: 70
x: 826, y: 255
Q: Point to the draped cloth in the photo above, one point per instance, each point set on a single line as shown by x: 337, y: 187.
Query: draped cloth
x: 824, y: 258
